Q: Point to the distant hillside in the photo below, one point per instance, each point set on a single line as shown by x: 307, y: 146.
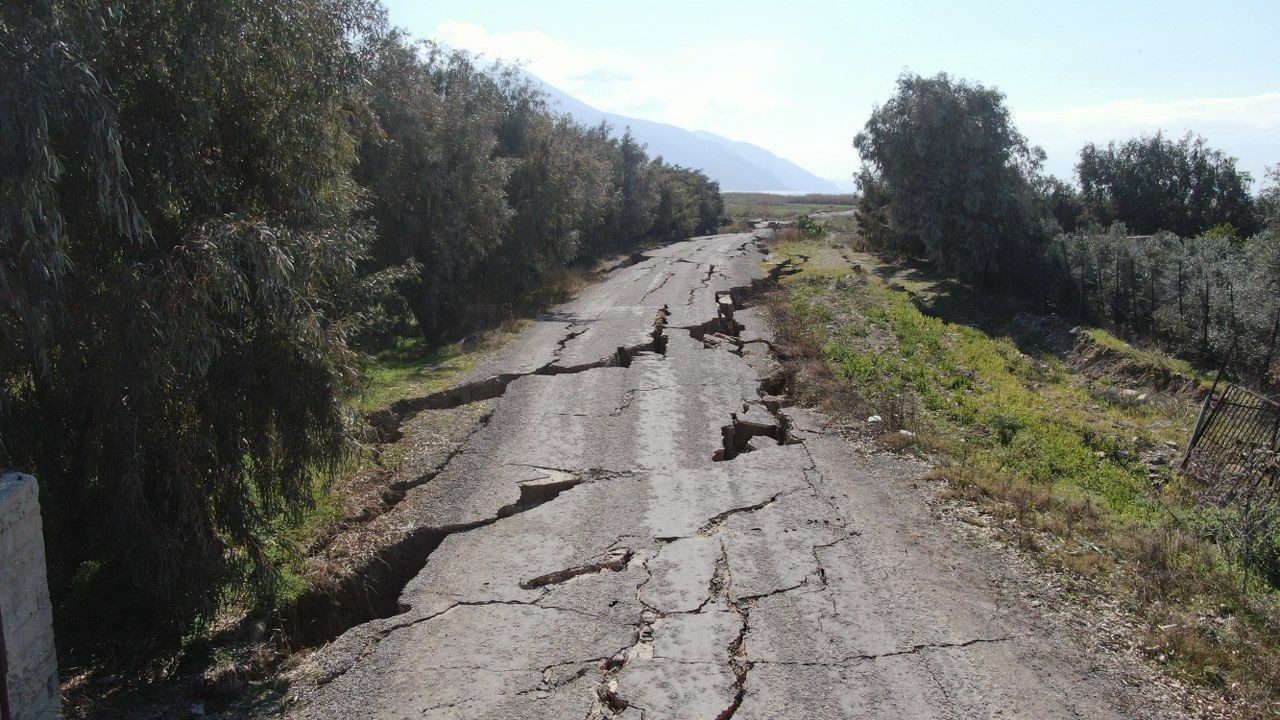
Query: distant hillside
x: 736, y: 165
x: 792, y: 176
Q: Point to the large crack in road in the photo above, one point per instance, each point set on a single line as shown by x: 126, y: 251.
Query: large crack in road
x: 644, y: 529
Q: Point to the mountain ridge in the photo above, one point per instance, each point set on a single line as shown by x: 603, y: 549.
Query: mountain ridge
x: 735, y: 164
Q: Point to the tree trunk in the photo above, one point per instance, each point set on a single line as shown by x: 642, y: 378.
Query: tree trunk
x: 1204, y: 320
x: 1271, y: 348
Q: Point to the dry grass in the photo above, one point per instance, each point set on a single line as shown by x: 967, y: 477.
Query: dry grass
x: 842, y: 199
x: 782, y: 207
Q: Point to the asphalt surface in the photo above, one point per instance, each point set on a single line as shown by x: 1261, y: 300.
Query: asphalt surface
x: 642, y: 531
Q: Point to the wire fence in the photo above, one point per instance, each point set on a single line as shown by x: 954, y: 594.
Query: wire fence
x: 1234, y: 456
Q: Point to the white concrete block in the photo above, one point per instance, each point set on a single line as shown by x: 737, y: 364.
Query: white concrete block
x: 31, y: 666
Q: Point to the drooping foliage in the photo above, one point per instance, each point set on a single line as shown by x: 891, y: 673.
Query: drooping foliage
x: 1154, y: 183
x: 432, y: 168
x: 485, y: 192
x: 179, y: 254
x: 946, y: 175
x: 202, y: 205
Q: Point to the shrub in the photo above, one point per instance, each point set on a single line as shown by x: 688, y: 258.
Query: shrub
x: 809, y: 227
x: 179, y: 249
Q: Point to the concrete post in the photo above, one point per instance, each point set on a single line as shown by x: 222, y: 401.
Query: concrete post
x: 28, y: 663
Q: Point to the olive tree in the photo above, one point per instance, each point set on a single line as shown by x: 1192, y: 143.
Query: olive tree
x: 946, y: 173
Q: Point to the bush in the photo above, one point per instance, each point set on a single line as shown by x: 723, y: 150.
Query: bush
x: 809, y: 227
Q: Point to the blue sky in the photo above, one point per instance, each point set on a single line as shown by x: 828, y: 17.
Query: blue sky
x: 800, y: 77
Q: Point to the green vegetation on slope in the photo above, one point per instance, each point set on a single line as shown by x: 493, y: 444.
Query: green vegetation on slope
x: 410, y: 369
x: 1070, y: 465
x: 947, y: 176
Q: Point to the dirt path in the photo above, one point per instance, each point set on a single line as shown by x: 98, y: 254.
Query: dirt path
x: 641, y: 531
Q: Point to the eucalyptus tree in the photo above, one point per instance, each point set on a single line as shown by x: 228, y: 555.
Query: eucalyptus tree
x: 1269, y: 198
x: 177, y: 253
x: 875, y: 223
x: 710, y: 205
x: 678, y: 210
x: 431, y: 167
x: 554, y: 177
x: 599, y: 223
x: 200, y: 203
x: 634, y: 176
x: 1065, y: 203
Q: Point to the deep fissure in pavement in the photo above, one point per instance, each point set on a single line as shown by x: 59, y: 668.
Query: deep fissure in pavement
x: 616, y: 560
x: 389, y: 421
x: 375, y: 589
x: 372, y: 591
x: 711, y: 630
x: 760, y: 418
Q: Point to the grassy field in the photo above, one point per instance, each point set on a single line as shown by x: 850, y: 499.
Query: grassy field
x: 1071, y: 466
x: 782, y: 207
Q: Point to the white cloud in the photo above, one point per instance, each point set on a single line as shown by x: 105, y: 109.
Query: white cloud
x: 1256, y: 111
x: 548, y: 58
x: 750, y: 89
x: 721, y: 85
x: 1245, y: 126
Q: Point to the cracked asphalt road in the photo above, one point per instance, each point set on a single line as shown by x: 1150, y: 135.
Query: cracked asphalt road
x: 642, y: 531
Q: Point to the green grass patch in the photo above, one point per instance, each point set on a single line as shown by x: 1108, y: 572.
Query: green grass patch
x: 1148, y: 357
x: 408, y: 369
x: 1021, y: 416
